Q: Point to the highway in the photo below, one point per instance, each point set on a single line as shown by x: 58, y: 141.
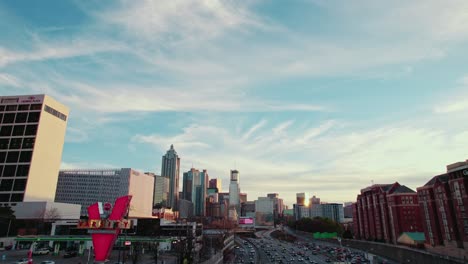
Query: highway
x: 266, y: 249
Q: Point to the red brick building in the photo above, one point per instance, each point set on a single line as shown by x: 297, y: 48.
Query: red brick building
x: 383, y: 211
x: 443, y: 202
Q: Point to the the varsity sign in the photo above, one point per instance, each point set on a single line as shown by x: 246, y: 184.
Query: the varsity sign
x: 105, y: 226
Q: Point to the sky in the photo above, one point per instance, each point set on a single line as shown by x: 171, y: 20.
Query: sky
x: 322, y: 97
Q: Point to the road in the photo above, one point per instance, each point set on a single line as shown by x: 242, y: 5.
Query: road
x: 14, y: 255
x: 266, y: 249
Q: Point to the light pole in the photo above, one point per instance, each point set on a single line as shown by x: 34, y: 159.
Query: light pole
x: 341, y: 247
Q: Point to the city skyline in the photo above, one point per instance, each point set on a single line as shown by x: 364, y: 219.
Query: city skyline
x: 310, y: 97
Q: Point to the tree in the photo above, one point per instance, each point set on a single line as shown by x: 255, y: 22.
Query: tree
x: 136, y: 252
x: 7, y: 220
x: 155, y: 251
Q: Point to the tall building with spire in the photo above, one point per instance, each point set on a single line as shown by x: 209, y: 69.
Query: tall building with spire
x: 171, y: 168
x: 234, y: 192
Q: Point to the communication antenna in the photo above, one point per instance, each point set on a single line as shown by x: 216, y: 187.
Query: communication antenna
x: 372, y: 181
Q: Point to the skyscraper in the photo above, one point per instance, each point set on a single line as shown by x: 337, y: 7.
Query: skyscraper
x: 215, y: 183
x: 200, y: 208
x: 188, y: 181
x: 194, y: 189
x: 234, y: 190
x: 161, y: 191
x: 170, y: 168
x: 32, y: 133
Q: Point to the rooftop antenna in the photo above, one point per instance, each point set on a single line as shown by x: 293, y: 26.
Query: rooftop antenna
x: 372, y: 181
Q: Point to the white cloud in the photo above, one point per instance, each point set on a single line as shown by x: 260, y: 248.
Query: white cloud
x: 456, y: 101
x: 86, y: 165
x: 178, y: 20
x: 57, y: 50
x: 76, y: 135
x: 9, y: 80
x: 322, y: 163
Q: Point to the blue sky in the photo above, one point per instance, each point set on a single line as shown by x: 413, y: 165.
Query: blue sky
x: 322, y: 97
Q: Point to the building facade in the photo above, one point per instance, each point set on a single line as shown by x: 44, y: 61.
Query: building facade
x: 161, y: 191
x: 348, y: 210
x: 86, y: 187
x: 302, y: 199
x: 383, y: 211
x: 171, y: 168
x: 195, y: 190
x: 443, y: 201
x: 264, y: 209
x: 234, y: 192
x: 32, y: 133
x: 248, y: 209
x: 333, y: 211
x: 215, y: 183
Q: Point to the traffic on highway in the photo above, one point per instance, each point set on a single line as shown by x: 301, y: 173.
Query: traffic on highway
x: 266, y: 249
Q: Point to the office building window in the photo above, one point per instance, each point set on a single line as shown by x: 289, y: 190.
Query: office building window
x: 28, y: 143
x: 10, y: 108
x: 34, y: 117
x: 2, y: 108
x: 36, y: 107
x: 23, y: 107
x: 4, y: 142
x: 4, y: 197
x: 21, y: 117
x: 2, y: 157
x: 22, y: 170
x: 20, y: 185
x: 5, y: 131
x: 6, y: 185
x: 12, y: 157
x: 25, y: 156
x: 9, y: 171
x: 30, y: 130
x: 17, y: 197
x: 18, y: 131
x: 8, y: 118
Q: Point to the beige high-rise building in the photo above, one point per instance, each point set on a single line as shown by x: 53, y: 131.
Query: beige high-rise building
x: 32, y: 133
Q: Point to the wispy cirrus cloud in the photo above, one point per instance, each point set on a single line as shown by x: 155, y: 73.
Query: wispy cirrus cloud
x: 44, y: 50
x: 456, y: 101
x: 328, y: 156
x: 9, y: 80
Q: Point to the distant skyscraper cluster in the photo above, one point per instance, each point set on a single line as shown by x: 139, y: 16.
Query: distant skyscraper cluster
x: 306, y: 207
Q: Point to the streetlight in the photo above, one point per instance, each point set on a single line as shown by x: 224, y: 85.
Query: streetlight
x: 341, y: 247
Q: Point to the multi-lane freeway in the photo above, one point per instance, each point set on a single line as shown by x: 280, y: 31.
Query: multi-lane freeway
x: 266, y: 249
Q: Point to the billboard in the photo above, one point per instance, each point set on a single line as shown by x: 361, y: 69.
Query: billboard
x: 246, y: 221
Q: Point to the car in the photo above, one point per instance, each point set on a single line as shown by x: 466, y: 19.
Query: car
x: 48, y: 262
x: 41, y: 251
x: 22, y: 261
x: 70, y: 254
